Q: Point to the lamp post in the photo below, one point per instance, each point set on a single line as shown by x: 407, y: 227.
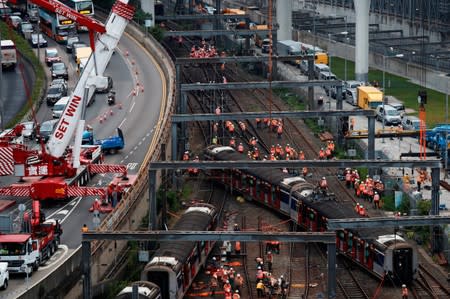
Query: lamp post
x: 384, y: 82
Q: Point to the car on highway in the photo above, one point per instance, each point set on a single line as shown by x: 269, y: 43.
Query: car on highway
x: 388, y: 115
x: 410, y: 122
x: 37, y: 39
x: 51, y: 56
x: 70, y: 41
x: 77, y: 45
x: 265, y: 46
x: 105, y: 86
x: 4, y: 275
x: 55, y: 92
x: 59, y: 107
x: 26, y: 29
x: 59, y: 70
x: 333, y: 93
x: 46, y: 130
x: 14, y: 21
x: 350, y: 91
x: 29, y: 130
x: 400, y: 108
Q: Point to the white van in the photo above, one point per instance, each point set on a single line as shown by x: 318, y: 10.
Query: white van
x: 59, y: 107
x: 9, y: 54
x: 320, y: 67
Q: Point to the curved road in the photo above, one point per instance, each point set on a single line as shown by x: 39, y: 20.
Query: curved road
x: 136, y: 116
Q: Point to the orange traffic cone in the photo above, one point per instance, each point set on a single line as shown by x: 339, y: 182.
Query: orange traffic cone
x: 111, y: 112
x: 126, y: 53
x: 120, y: 105
x: 101, y: 119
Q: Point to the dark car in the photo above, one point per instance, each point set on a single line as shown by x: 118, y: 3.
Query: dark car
x: 51, y: 56
x: 46, y: 129
x: 29, y: 130
x: 38, y: 40
x: 59, y: 70
x: 70, y: 41
x: 77, y: 45
x: 55, y: 92
x: 26, y: 29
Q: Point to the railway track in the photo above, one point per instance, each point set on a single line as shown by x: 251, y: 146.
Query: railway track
x: 428, y: 286
x: 348, y: 285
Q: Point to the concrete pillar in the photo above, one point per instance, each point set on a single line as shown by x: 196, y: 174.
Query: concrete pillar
x: 148, y: 6
x: 284, y: 19
x: 331, y: 291
x: 362, y: 40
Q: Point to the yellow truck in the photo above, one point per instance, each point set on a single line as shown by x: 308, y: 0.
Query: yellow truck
x: 369, y: 97
x: 81, y: 56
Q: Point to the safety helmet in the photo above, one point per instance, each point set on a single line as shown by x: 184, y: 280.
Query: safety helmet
x: 228, y: 281
x: 259, y: 268
x: 237, y: 291
x: 321, y: 149
x: 214, y: 258
x: 376, y: 192
x: 238, y: 275
x: 403, y: 285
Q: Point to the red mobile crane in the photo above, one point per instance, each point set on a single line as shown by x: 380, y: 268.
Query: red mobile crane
x: 54, y: 172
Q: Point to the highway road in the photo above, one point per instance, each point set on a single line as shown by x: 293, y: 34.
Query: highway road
x: 136, y: 115
x: 13, y: 90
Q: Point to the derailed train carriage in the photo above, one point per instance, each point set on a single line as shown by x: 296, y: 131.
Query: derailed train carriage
x: 377, y: 250
x: 175, y: 265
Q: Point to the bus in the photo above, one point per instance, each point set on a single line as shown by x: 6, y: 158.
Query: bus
x: 9, y: 54
x: 84, y: 7
x: 55, y: 25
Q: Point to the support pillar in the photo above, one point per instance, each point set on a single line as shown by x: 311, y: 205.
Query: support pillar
x: 371, y: 142
x: 86, y: 266
x: 275, y: 62
x: 339, y: 106
x: 362, y: 40
x: 174, y: 142
x: 152, y: 223
x: 183, y: 126
x: 311, y: 105
x: 331, y: 290
x: 437, y: 240
x: 165, y: 187
x: 284, y: 19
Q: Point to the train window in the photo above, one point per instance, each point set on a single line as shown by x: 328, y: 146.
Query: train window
x: 285, y: 197
x: 350, y: 240
x: 341, y: 235
x: 180, y: 281
x: 379, y: 258
x: 311, y: 215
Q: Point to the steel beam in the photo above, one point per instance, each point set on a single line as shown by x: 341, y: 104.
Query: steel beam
x: 245, y: 236
x: 216, y: 32
x: 255, y: 85
x: 400, y: 38
x: 275, y: 114
x: 250, y: 164
x: 239, y: 59
x: 373, y: 222
x: 199, y: 17
x: 363, y: 135
x: 331, y: 290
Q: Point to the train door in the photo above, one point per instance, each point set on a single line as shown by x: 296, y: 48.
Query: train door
x: 162, y: 279
x: 276, y: 197
x: 340, y: 240
x: 237, y: 184
x: 360, y: 253
x: 403, y: 264
x: 353, y: 245
x: 300, y: 213
x: 267, y: 194
x: 285, y: 204
x: 322, y: 224
x: 370, y: 255
x: 186, y: 275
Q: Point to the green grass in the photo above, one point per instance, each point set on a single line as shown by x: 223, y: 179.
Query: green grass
x: 400, y: 88
x: 25, y: 50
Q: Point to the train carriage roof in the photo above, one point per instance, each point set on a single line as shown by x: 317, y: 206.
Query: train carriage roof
x: 195, y: 220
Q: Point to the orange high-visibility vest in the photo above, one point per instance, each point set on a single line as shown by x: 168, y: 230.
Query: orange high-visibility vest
x: 240, y: 148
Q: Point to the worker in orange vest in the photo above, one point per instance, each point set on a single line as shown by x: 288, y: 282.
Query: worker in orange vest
x: 362, y: 211
x: 279, y: 131
x: 236, y: 295
x: 404, y: 292
x: 84, y: 229
x: 305, y: 171
x: 357, y: 208
x: 186, y: 156
x: 328, y: 153
x: 376, y: 200
x: 232, y: 142
x: 362, y: 187
x: 241, y: 148
x: 237, y: 247
x: 323, y: 185
x: 258, y: 123
x: 301, y: 155
x: 321, y: 154
x: 242, y: 126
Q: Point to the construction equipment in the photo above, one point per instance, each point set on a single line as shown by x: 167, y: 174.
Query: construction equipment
x: 56, y: 165
x: 37, y: 242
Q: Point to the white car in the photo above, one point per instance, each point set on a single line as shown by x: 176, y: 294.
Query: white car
x: 4, y: 275
x: 38, y: 39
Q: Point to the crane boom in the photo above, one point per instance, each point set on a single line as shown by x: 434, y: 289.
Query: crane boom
x: 121, y: 14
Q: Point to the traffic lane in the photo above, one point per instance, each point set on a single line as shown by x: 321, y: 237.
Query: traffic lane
x: 19, y: 283
x: 143, y: 115
x: 14, y: 94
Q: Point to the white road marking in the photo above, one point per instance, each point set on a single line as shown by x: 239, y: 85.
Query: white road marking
x: 122, y: 122
x: 64, y: 248
x: 71, y: 203
x: 132, y: 106
x: 70, y: 212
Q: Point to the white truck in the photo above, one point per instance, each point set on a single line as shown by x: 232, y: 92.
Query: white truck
x: 289, y: 47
